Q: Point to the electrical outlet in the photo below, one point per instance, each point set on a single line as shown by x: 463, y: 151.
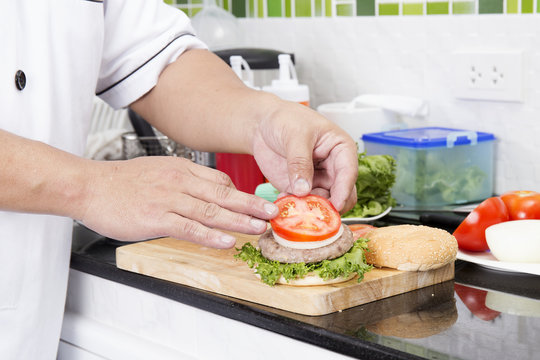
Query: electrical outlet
x: 488, y: 75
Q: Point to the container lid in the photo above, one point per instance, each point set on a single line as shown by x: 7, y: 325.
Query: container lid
x: 258, y: 59
x: 428, y: 137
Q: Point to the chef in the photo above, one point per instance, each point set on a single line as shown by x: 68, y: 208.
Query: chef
x: 56, y: 55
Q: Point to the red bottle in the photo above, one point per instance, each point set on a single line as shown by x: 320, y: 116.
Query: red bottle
x: 242, y: 169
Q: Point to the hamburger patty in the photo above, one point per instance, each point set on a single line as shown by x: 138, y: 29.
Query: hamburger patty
x: 274, y: 251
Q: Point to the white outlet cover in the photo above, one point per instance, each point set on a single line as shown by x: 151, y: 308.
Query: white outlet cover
x: 495, y: 75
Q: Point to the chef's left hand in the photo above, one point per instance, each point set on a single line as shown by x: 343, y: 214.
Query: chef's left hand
x: 301, y: 152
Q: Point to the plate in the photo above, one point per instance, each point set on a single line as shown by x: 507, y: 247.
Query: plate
x: 356, y: 220
x: 486, y: 259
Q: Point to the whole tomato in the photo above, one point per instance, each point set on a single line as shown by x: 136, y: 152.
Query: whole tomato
x: 522, y: 204
x: 470, y: 234
x: 475, y: 300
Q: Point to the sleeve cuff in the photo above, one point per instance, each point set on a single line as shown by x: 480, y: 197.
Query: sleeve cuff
x: 145, y: 77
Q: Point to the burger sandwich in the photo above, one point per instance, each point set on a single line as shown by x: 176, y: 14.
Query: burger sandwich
x: 306, y: 245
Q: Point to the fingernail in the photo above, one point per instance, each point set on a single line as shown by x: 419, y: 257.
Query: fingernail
x: 270, y: 209
x: 301, y: 187
x: 338, y: 205
x: 227, y: 240
x: 257, y: 224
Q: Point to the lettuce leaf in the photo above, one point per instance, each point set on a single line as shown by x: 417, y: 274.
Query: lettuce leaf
x: 353, y: 261
x: 376, y: 176
x: 426, y: 177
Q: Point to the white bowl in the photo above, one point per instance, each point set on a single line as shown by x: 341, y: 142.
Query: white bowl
x: 515, y: 241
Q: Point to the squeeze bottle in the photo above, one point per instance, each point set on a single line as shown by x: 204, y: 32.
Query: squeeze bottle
x: 241, y: 67
x: 286, y: 86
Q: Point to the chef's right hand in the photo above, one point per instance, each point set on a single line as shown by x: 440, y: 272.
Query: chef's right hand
x: 150, y: 197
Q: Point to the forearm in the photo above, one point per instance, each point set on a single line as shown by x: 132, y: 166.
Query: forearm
x: 38, y: 178
x: 201, y: 103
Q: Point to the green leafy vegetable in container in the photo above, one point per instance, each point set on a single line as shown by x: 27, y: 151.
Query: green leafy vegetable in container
x: 431, y: 177
x: 376, y: 176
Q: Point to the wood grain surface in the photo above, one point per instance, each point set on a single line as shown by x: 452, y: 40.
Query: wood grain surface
x: 218, y: 271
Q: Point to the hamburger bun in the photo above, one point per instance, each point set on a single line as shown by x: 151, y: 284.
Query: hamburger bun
x: 410, y: 247
x: 312, y: 279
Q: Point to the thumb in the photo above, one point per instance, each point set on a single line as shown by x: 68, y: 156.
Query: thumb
x: 300, y: 168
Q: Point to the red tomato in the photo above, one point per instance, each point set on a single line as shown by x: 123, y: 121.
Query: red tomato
x: 360, y: 230
x: 470, y: 234
x: 522, y: 204
x: 309, y: 218
x: 475, y: 300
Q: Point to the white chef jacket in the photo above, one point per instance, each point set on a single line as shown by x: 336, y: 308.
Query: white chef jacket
x: 69, y: 50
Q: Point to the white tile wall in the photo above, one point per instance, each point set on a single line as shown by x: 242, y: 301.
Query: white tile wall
x: 340, y: 58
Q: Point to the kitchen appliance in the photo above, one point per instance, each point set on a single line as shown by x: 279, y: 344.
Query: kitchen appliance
x: 437, y: 166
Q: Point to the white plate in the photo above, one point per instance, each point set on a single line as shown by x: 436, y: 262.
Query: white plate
x: 356, y: 220
x: 488, y: 260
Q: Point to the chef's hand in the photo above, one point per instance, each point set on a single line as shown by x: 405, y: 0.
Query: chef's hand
x: 150, y: 197
x: 299, y: 152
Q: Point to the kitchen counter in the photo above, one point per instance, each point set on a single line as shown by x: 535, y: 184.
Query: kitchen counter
x: 444, y: 321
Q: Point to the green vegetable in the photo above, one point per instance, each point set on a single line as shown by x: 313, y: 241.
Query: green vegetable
x: 376, y: 176
x: 429, y: 177
x: 353, y: 261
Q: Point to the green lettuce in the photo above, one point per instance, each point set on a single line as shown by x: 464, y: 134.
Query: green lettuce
x: 376, y: 176
x: 353, y: 261
x: 428, y: 177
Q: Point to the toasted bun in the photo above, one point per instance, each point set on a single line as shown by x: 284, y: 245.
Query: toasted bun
x: 410, y: 247
x: 312, y: 280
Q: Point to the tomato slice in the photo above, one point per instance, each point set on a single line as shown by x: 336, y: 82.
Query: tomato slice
x: 360, y: 230
x: 470, y: 234
x: 308, y: 218
x: 522, y: 204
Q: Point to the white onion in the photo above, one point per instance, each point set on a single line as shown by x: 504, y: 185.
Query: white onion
x: 515, y: 241
x: 307, y: 244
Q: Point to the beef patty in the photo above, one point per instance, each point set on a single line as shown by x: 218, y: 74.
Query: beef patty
x: 274, y: 251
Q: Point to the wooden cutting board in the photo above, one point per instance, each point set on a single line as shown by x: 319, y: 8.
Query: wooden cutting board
x: 218, y: 271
